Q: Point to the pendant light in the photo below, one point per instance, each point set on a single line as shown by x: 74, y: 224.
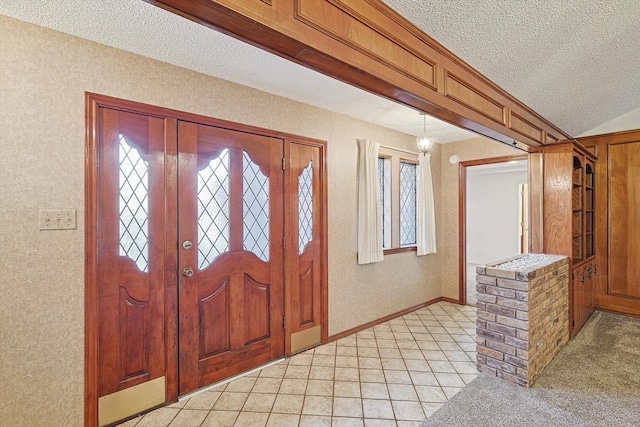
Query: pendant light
x: 424, y: 142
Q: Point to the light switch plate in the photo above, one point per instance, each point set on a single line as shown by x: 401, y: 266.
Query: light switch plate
x: 60, y: 219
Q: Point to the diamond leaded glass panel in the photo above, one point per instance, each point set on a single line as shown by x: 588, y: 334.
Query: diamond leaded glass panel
x: 305, y: 207
x: 408, y: 198
x: 213, y: 210
x: 255, y: 215
x: 133, y: 205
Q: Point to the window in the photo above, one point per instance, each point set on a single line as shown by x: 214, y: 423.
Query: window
x: 384, y: 176
x: 408, y: 199
x: 398, y: 201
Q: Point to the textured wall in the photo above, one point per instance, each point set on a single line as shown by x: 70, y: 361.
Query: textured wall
x: 43, y: 78
x: 471, y: 149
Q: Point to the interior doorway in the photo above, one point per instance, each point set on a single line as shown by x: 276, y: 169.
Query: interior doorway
x: 493, y: 215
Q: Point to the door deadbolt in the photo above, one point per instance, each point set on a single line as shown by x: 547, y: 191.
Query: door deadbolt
x: 187, y: 244
x: 187, y: 272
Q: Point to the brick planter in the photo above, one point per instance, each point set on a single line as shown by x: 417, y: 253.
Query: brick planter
x: 523, y: 315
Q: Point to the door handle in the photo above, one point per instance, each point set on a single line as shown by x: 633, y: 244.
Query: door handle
x: 187, y: 272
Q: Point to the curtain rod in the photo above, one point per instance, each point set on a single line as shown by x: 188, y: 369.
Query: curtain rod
x: 399, y: 149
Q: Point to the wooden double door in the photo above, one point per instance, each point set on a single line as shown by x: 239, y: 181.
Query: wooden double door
x: 191, y: 259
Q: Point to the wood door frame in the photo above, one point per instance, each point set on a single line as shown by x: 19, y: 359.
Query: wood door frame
x: 93, y: 102
x: 462, y: 216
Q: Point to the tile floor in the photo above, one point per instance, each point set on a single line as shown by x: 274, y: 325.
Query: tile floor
x: 397, y: 373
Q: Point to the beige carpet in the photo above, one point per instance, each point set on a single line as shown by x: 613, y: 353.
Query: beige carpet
x: 593, y: 381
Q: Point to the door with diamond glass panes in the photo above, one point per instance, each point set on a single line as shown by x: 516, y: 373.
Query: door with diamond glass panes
x: 230, y: 234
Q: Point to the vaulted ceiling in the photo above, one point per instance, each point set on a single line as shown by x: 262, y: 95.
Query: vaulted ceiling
x: 575, y: 62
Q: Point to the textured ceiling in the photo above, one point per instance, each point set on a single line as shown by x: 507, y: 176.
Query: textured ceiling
x: 575, y: 62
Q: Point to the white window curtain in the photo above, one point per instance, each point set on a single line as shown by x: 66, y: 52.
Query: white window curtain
x: 369, y: 217
x: 426, y: 227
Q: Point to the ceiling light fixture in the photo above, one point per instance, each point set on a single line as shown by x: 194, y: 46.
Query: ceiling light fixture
x: 424, y: 142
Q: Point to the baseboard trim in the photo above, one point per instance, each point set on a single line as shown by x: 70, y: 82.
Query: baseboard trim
x: 387, y: 318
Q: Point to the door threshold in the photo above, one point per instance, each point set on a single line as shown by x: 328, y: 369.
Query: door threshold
x: 227, y: 380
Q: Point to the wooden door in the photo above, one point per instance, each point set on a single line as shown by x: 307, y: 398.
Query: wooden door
x: 304, y: 261
x: 131, y: 240
x: 230, y: 242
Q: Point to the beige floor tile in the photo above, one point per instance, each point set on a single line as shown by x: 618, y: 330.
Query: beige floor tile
x: 283, y: 420
x: 131, y: 423
x: 320, y: 388
x: 324, y: 360
x: 397, y: 377
x: 382, y: 327
x: 387, y: 342
x: 403, y: 336
x: 411, y: 344
x: 321, y: 373
x: 288, y: 404
x: 346, y: 351
x: 441, y: 366
x: 317, y: 405
x: 422, y: 336
x: 423, y: 378
x: 467, y: 346
x: 390, y: 353
x: 179, y: 404
x: 346, y: 361
x: 384, y: 335
x: 452, y: 346
x: 347, y: 407
x: 400, y: 329
x: 417, y: 365
x: 451, y: 391
x: 430, y: 408
x: 409, y: 423
x: 367, y: 333
x: 368, y: 352
x: 347, y: 374
x: 442, y: 337
x: 314, y: 421
x: 347, y: 341
x: 377, y: 409
x: 394, y: 364
x: 293, y: 386
x: 297, y: 371
x: 266, y: 385
x: 346, y: 389
x: 301, y: 359
x: 346, y: 422
x: 434, y: 355
x: 373, y: 422
x: 159, y: 417
x: 369, y: 363
x: 467, y: 378
x: 189, y: 418
x: 449, y: 380
x: 372, y: 375
x: 409, y: 411
x: 220, y: 419
x: 429, y: 345
x: 204, y: 400
x: 230, y: 401
x: 411, y: 354
x: 374, y: 391
x: 456, y: 356
x: 402, y: 392
x: 432, y: 394
x: 273, y: 371
x: 251, y: 419
x: 259, y: 402
x: 327, y: 350
x: 366, y: 342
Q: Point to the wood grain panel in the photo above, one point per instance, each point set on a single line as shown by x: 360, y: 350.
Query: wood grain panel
x: 624, y: 225
x: 525, y: 128
x: 557, y: 203
x: 256, y: 310
x: 336, y: 20
x: 463, y: 93
x: 213, y: 309
x: 305, y: 288
x: 134, y: 352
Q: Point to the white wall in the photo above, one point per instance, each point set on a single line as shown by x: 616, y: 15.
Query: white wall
x: 492, y: 218
x: 628, y: 121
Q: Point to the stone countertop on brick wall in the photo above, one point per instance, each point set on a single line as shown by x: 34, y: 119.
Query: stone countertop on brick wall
x: 523, y: 267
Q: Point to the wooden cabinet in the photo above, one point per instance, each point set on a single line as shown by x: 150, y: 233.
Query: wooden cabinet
x: 569, y: 215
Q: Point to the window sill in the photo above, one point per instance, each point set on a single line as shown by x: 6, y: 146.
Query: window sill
x: 400, y: 250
